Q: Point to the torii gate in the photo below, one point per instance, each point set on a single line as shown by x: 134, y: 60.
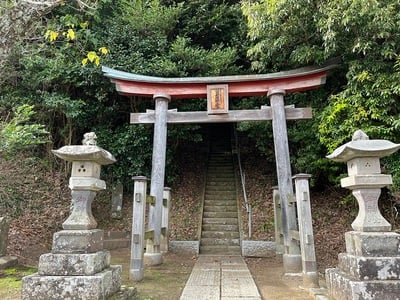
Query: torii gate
x: 217, y: 90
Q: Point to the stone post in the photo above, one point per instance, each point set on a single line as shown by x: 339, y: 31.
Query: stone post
x: 153, y: 252
x: 136, y: 271
x: 277, y: 221
x: 78, y: 267
x: 4, y: 227
x: 165, y: 219
x: 309, y: 263
x: 116, y: 200
x: 291, y: 256
x: 6, y: 261
x: 370, y: 268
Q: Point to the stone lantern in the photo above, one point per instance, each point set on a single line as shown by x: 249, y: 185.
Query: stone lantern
x: 84, y: 181
x: 365, y: 179
x: 370, y: 268
x: 78, y: 267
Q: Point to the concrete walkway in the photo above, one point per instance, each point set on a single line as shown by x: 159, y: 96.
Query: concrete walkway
x: 220, y: 278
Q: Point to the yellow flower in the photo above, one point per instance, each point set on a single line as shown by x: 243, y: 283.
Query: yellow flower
x: 51, y: 35
x: 84, y: 61
x: 71, y: 34
x: 92, y: 56
x: 103, y: 50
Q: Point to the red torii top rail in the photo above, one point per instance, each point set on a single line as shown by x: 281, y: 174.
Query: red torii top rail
x: 239, y: 85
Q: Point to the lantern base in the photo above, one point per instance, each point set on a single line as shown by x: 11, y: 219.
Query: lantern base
x: 370, y: 268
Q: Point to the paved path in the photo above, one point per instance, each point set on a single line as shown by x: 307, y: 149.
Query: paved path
x: 220, y: 278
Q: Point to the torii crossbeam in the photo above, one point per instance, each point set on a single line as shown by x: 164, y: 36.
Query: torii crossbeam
x: 190, y: 117
x: 239, y: 85
x: 217, y: 90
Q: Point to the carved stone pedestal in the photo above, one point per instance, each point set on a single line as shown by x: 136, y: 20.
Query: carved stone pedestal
x: 77, y: 268
x: 370, y: 268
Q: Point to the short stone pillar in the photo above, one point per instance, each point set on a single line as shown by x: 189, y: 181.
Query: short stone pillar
x: 78, y: 267
x: 277, y: 220
x: 136, y: 271
x: 370, y: 268
x: 308, y: 260
x: 165, y: 219
x: 6, y: 261
x: 116, y: 200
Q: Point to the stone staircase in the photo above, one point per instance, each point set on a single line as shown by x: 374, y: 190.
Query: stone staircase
x: 220, y: 230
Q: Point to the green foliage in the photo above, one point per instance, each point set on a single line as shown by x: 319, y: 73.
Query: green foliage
x: 261, y: 135
x: 369, y: 28
x: 369, y: 102
x: 391, y: 165
x: 131, y: 146
x: 197, y: 61
x: 19, y: 133
x: 210, y: 23
x: 364, y: 91
x: 284, y: 32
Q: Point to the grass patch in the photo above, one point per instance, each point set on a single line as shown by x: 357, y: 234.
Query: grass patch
x: 11, y: 281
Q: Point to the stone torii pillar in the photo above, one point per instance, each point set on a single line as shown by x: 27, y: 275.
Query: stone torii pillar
x: 291, y: 255
x: 153, y: 254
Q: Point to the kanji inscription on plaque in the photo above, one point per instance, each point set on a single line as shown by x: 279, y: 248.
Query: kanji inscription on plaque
x: 217, y: 99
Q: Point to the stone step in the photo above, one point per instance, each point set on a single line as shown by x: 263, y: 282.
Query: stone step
x: 221, y: 250
x: 227, y: 208
x: 228, y: 167
x: 210, y: 202
x: 221, y: 153
x: 219, y: 214
x: 216, y: 227
x: 224, y: 187
x: 214, y: 196
x: 220, y: 184
x: 220, y: 163
x: 215, y: 160
x: 217, y: 174
x: 220, y: 169
x: 221, y: 187
x: 220, y: 198
x: 219, y: 241
x: 220, y: 234
x: 219, y: 178
x: 221, y: 221
x: 221, y: 192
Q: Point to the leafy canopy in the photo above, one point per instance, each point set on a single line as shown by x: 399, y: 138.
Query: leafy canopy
x: 364, y: 91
